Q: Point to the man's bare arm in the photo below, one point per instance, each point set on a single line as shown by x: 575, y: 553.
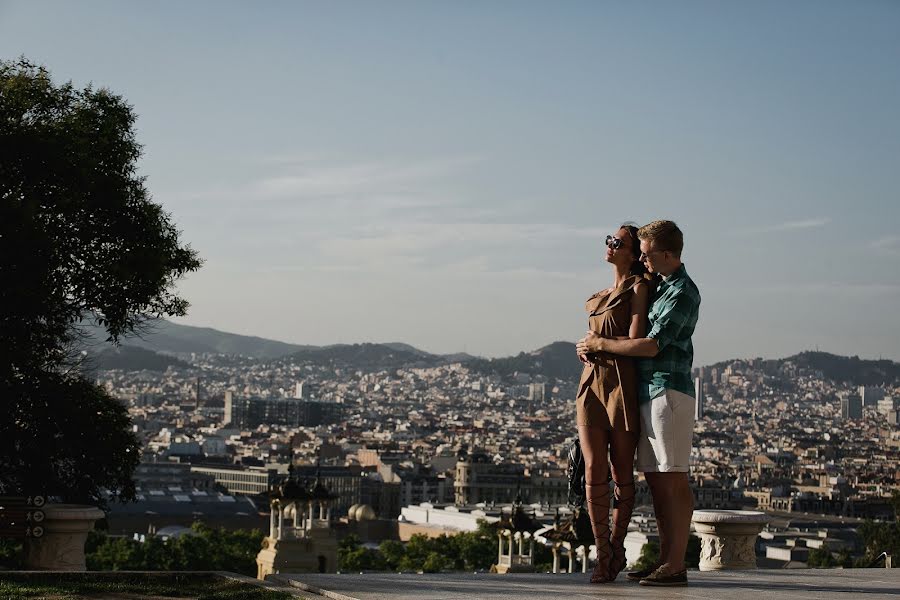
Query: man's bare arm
x: 642, y: 347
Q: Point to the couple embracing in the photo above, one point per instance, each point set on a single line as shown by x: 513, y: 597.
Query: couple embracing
x: 635, y: 394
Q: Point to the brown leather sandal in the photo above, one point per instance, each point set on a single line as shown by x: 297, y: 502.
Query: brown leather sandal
x: 623, y: 505
x: 598, y: 512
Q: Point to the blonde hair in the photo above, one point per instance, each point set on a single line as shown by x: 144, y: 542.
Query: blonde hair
x: 665, y: 234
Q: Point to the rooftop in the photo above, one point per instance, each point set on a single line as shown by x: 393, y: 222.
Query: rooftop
x: 871, y: 584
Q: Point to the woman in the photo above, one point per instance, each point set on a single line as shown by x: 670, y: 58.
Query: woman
x: 607, y: 408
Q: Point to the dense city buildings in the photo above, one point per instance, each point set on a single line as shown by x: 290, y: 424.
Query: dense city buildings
x: 779, y: 435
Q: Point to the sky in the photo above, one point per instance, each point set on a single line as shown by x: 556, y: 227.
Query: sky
x: 444, y: 173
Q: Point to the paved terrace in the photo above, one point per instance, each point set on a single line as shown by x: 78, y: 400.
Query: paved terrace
x: 806, y: 584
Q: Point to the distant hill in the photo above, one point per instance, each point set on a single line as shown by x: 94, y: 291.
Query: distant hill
x: 556, y: 360
x: 171, y: 338
x: 368, y: 356
x: 850, y: 370
x: 130, y: 358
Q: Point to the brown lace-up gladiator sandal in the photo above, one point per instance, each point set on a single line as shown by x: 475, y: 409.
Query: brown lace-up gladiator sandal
x: 623, y: 505
x: 598, y: 511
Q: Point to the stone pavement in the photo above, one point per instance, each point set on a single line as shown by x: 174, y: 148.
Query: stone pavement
x: 799, y: 584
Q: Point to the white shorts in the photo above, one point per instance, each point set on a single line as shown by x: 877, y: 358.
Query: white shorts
x: 667, y: 430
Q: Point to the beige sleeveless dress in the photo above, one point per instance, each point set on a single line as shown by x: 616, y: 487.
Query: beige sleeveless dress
x: 607, y: 392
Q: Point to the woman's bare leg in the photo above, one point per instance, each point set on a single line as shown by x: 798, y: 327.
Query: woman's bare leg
x: 622, y: 447
x: 594, y: 447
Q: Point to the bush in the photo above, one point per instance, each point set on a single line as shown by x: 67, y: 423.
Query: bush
x: 467, y: 551
x: 206, y: 549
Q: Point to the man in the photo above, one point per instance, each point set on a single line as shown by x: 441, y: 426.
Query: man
x: 665, y: 397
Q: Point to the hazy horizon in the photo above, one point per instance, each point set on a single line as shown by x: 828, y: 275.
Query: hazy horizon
x: 443, y: 174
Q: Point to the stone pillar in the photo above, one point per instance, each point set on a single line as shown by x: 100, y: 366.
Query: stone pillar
x: 311, y: 508
x: 511, y: 542
x: 571, y: 557
x: 521, y: 544
x: 499, y: 548
x: 556, y: 558
x: 728, y: 538
x: 280, y: 521
x: 328, y: 513
x: 296, y: 516
x: 61, y: 547
x: 584, y: 559
x: 272, y: 532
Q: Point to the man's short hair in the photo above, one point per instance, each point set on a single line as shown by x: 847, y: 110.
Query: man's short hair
x: 665, y: 234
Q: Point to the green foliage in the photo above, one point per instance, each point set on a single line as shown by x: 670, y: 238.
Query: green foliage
x: 208, y: 549
x: 649, y: 556
x: 73, y: 448
x: 895, y: 503
x: 821, y: 558
x: 351, y: 542
x: 543, y: 558
x: 824, y: 558
x: 845, y: 559
x: 466, y: 551
x: 436, y: 562
x: 79, y: 238
x: 107, y: 585
x: 10, y: 554
x: 392, y: 552
x: 879, y: 537
x: 352, y: 556
x: 476, y: 550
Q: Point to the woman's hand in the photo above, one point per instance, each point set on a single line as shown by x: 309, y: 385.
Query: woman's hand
x: 589, y: 344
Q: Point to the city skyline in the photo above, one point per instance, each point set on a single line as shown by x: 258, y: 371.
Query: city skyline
x: 444, y: 175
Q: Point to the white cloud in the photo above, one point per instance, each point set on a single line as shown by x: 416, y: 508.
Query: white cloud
x: 411, y: 241
x: 789, y: 226
x: 306, y: 180
x: 814, y: 289
x: 889, y: 245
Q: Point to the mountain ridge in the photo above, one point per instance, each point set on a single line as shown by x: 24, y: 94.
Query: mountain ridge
x: 555, y: 360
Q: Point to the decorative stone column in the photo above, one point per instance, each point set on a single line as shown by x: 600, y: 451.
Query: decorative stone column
x: 61, y: 548
x: 728, y: 537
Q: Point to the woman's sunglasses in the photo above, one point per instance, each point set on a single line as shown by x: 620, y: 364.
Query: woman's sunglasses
x: 614, y: 242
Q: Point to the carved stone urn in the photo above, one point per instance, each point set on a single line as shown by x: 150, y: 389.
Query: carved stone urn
x: 61, y: 547
x: 728, y: 538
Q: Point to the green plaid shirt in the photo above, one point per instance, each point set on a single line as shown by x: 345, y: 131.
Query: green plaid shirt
x: 671, y: 321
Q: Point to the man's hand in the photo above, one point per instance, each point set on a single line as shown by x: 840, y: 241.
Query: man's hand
x: 589, y: 344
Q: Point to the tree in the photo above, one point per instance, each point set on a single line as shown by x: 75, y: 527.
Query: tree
x: 476, y: 551
x: 80, y: 239
x: 821, y: 558
x: 878, y: 537
x: 845, y: 559
x: 393, y: 553
x: 204, y: 549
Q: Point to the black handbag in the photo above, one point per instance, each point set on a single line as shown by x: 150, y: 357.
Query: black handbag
x: 575, y: 475
x: 577, y: 481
